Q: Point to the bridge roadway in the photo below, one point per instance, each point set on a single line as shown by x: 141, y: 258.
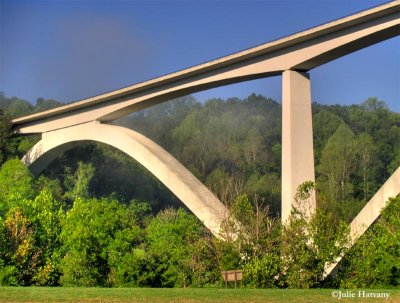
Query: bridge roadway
x: 292, y: 57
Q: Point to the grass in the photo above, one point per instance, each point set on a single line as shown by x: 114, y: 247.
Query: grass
x: 178, y: 295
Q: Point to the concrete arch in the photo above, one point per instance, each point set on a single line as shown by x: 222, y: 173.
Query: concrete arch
x: 159, y: 162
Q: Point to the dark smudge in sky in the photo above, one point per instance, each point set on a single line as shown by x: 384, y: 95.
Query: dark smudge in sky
x: 90, y: 53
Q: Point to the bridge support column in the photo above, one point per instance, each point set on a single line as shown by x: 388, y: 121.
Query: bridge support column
x: 297, y: 140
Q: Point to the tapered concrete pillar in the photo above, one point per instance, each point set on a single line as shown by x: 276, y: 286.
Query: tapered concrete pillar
x: 297, y: 140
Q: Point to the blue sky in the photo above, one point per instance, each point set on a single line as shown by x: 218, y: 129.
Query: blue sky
x: 71, y: 50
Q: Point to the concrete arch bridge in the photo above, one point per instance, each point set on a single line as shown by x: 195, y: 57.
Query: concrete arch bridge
x: 292, y: 57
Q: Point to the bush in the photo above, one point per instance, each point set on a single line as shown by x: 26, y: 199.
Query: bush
x: 9, y: 276
x: 262, y: 272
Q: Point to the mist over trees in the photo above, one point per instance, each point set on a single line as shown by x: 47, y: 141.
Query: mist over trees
x: 95, y: 217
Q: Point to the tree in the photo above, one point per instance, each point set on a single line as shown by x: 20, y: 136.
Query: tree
x: 262, y: 271
x: 18, y: 107
x: 395, y: 163
x: 78, y: 184
x: 189, y: 139
x: 325, y: 123
x: 16, y: 183
x: 171, y: 236
x: 5, y: 127
x: 366, y: 153
x: 255, y: 247
x: 253, y: 146
x: 31, y: 229
x: 4, y: 102
x: 46, y: 214
x: 338, y: 162
x: 19, y: 256
x: 94, y: 233
x: 310, y: 243
x: 266, y: 189
x: 43, y: 104
x: 373, y: 104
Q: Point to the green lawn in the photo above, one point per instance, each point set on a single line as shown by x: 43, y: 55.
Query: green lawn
x: 176, y: 295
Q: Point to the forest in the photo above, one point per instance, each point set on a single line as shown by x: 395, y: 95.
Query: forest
x: 95, y: 217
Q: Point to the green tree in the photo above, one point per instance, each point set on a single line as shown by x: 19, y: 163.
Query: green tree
x: 325, y: 123
x: 93, y: 234
x: 126, y: 255
x: 373, y: 104
x: 43, y: 104
x: 16, y: 183
x: 253, y: 147
x: 255, y: 246
x: 4, y: 101
x: 262, y: 271
x: 266, y: 189
x: 366, y: 158
x: 171, y: 236
x: 338, y: 163
x: 18, y: 107
x: 46, y: 215
x: 395, y: 163
x: 5, y: 127
x: 19, y: 255
x: 78, y: 183
x: 191, y: 143
x: 31, y: 229
x: 309, y: 244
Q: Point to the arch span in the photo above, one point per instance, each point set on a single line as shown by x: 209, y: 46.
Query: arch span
x: 159, y: 162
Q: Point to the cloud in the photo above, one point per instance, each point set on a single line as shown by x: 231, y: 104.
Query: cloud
x: 93, y: 54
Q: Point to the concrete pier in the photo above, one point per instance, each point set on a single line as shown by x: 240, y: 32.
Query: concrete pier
x: 297, y: 140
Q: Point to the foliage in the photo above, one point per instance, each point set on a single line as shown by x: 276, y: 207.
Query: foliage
x: 29, y: 241
x: 254, y: 246
x: 78, y: 184
x: 171, y: 237
x: 43, y: 104
x: 9, y: 275
x: 325, y: 124
x: 18, y: 108
x: 262, y: 272
x: 338, y: 163
x: 5, y: 137
x: 233, y: 146
x: 16, y: 184
x: 310, y: 243
x: 375, y: 259
x: 94, y: 234
x: 98, y: 218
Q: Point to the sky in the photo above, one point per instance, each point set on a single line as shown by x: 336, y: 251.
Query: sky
x: 72, y: 50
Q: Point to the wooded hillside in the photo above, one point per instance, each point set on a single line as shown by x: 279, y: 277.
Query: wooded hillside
x: 96, y: 217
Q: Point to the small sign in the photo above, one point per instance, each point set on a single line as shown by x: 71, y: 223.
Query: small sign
x: 232, y: 276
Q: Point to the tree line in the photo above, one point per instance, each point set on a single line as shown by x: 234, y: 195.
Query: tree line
x: 95, y: 217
